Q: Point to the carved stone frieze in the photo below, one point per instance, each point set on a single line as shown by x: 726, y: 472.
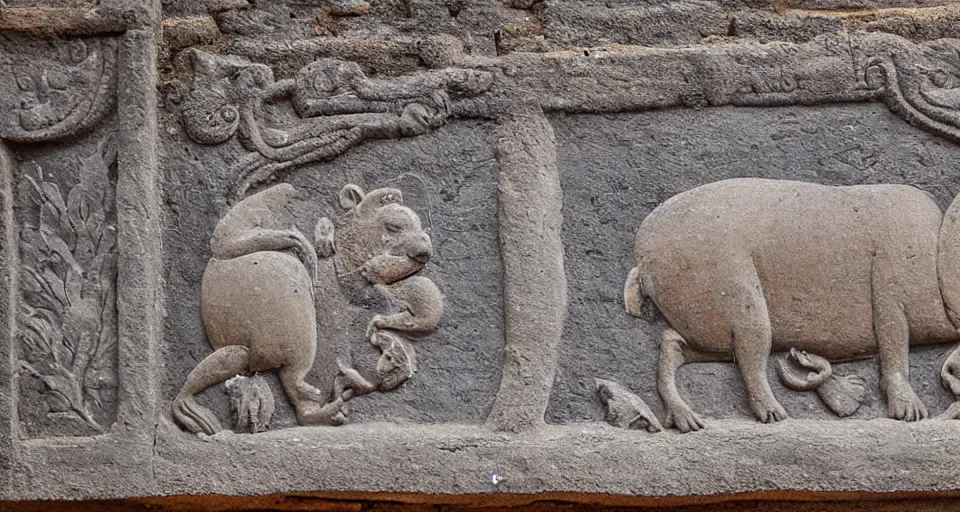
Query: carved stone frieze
x: 352, y: 246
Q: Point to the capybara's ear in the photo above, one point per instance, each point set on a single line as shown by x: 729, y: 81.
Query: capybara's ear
x: 323, y: 238
x: 350, y: 196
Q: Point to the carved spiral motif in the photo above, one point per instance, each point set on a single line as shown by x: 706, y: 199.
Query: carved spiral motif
x: 875, y: 75
x: 788, y: 83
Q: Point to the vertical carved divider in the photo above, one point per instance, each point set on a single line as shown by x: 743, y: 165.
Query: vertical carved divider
x: 534, y: 283
x: 138, y: 221
x: 8, y: 289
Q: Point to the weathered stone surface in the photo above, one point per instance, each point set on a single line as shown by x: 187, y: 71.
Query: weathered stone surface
x: 426, y: 249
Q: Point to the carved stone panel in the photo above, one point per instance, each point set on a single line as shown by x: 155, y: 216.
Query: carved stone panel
x: 836, y: 145
x: 66, y: 334
x: 448, y: 373
x: 65, y: 339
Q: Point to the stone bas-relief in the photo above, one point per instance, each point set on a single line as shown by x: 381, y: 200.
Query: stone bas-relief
x: 265, y: 284
x: 261, y: 241
x: 741, y: 268
x: 62, y: 92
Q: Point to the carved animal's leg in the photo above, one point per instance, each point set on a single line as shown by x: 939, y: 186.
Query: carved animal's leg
x: 219, y: 366
x: 892, y: 332
x: 749, y: 321
x: 674, y: 353
x: 308, y: 400
x: 403, y: 322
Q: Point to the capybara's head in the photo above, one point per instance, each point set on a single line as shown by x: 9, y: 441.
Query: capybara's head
x: 381, y: 237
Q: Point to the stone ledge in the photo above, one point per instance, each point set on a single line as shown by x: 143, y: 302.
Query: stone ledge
x: 729, y: 458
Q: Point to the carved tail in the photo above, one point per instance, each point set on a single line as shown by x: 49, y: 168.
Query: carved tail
x: 802, y: 371
x: 948, y: 262
x: 633, y: 292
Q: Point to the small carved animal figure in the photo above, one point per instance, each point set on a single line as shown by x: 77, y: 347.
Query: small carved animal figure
x: 802, y: 371
x: 397, y: 363
x: 745, y: 267
x: 251, y: 402
x: 624, y: 409
x: 421, y: 305
x: 257, y: 294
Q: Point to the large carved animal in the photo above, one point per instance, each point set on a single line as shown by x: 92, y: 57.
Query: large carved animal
x: 745, y: 267
x: 258, y: 292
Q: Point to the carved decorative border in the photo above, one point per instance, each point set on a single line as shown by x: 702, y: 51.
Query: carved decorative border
x: 122, y: 46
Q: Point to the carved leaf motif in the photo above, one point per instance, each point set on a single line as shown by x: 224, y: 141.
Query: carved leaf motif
x: 68, y: 315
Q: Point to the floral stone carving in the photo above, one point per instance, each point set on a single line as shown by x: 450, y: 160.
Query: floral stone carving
x: 64, y: 95
x: 266, y: 281
x: 745, y: 267
x: 68, y: 315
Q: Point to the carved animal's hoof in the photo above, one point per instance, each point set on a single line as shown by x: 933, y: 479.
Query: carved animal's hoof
x: 770, y: 413
x: 349, y: 383
x: 903, y: 403
x: 194, y: 418
x: 310, y: 414
x: 843, y: 394
x: 683, y: 419
x: 908, y: 408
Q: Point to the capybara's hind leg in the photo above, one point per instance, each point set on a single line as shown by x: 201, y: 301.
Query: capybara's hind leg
x: 674, y: 353
x: 308, y: 400
x: 893, y: 338
x: 219, y: 366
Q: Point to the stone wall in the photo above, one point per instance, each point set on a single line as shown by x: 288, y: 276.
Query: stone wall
x: 467, y: 248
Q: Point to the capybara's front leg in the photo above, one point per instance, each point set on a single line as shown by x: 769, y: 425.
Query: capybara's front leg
x: 893, y: 336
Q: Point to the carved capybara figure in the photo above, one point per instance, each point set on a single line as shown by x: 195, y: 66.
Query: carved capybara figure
x: 258, y: 292
x: 745, y: 267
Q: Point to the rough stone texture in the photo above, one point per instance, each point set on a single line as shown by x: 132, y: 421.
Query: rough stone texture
x: 529, y: 140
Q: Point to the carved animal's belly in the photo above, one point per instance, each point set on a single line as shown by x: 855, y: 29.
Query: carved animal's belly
x: 808, y: 262
x: 261, y: 301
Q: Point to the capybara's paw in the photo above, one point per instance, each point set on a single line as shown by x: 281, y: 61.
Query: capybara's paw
x: 903, y: 403
x: 770, y: 412
x: 683, y: 419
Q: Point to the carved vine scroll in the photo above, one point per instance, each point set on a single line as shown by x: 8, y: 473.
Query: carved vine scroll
x: 336, y: 107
